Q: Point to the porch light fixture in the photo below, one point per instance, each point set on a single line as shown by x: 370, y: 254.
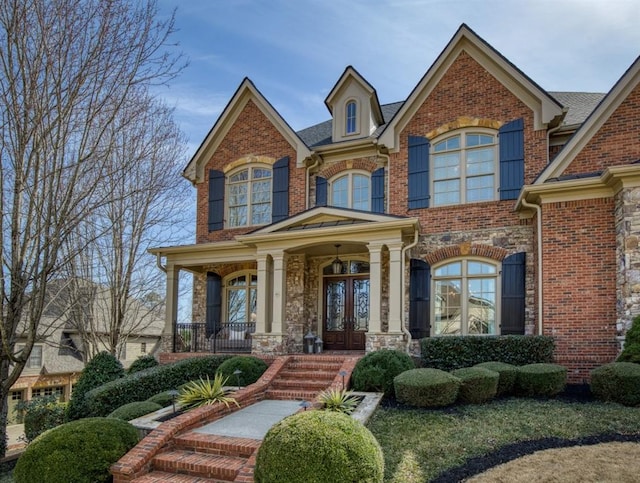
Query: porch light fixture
x: 336, y: 265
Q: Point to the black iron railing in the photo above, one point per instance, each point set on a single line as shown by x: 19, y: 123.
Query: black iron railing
x: 224, y: 337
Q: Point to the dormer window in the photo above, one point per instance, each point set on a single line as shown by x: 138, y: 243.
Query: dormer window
x: 351, y: 117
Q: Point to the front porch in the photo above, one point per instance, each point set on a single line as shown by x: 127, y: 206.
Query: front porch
x: 336, y: 273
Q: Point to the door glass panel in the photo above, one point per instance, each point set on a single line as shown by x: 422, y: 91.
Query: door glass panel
x: 361, y: 305
x: 336, y: 304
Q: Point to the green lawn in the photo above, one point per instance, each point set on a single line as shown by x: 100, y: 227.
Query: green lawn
x: 420, y: 444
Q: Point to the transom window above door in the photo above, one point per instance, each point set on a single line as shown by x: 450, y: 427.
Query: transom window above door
x: 249, y: 197
x: 464, y: 168
x: 352, y: 190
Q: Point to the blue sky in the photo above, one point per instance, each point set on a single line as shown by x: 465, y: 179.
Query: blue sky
x: 295, y: 50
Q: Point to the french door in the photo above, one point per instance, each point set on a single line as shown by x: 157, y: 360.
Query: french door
x: 346, y: 312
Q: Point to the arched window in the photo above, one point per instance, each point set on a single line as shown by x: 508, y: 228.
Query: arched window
x: 249, y: 197
x: 240, y: 297
x: 464, y: 168
x: 464, y: 298
x: 351, y: 190
x: 351, y: 117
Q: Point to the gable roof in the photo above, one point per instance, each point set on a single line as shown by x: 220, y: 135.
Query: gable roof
x: 349, y: 75
x: 247, y: 91
x: 546, y: 109
x: 616, y: 96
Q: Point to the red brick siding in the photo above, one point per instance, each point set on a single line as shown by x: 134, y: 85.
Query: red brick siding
x: 466, y: 89
x: 616, y: 142
x: 579, y: 286
x: 251, y: 134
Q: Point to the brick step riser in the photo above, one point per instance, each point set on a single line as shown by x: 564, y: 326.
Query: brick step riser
x: 279, y: 394
x: 199, y: 465
x: 307, y: 375
x: 314, y: 366
x: 299, y: 385
x: 163, y: 477
x: 185, y: 445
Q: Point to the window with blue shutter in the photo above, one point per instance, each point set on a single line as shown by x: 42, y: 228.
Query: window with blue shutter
x: 513, y: 294
x: 511, y: 139
x: 216, y: 200
x: 280, y: 207
x: 419, y: 298
x: 321, y: 191
x: 418, y: 172
x: 377, y: 191
x: 214, y: 303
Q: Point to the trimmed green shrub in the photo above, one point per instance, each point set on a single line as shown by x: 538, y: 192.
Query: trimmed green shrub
x: 103, y: 368
x: 252, y: 368
x: 142, y: 363
x: 134, y: 410
x: 426, y: 387
x: 618, y: 382
x: 164, y: 398
x: 631, y: 351
x: 449, y: 353
x: 508, y: 374
x: 79, y: 452
x: 320, y: 447
x: 376, y: 371
x: 140, y: 385
x: 40, y: 414
x: 541, y: 380
x: 477, y: 386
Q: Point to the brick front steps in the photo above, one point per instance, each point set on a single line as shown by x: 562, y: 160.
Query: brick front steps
x: 173, y: 453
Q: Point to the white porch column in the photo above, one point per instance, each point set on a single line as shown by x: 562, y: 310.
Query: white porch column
x: 375, y: 288
x: 171, y: 305
x: 263, y: 293
x: 395, y: 287
x: 279, y: 292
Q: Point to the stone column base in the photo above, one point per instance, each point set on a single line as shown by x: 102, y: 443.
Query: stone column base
x: 385, y: 340
x: 267, y: 344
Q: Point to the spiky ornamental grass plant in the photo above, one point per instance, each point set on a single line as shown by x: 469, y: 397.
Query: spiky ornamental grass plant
x: 337, y: 400
x: 205, y: 392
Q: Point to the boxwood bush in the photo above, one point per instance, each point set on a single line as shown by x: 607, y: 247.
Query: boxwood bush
x: 40, y: 414
x: 426, y: 387
x: 376, y: 370
x: 134, y: 410
x: 478, y: 385
x: 164, y: 398
x: 541, y: 380
x: 631, y: 351
x: 141, y: 363
x: 141, y: 385
x: 103, y: 368
x: 618, y: 382
x: 508, y: 374
x: 449, y: 353
x: 79, y: 452
x: 252, y: 368
x: 320, y: 447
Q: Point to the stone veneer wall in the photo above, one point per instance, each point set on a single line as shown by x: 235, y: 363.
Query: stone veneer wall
x: 296, y: 314
x: 627, y: 217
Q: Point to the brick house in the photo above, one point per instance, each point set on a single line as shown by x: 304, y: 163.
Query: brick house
x: 480, y: 205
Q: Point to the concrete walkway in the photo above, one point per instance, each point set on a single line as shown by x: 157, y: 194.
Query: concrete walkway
x: 253, y: 421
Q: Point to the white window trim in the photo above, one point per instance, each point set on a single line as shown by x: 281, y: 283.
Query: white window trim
x: 357, y: 129
x: 225, y: 290
x: 463, y: 175
x: 249, y: 205
x: 350, y: 174
x: 432, y: 294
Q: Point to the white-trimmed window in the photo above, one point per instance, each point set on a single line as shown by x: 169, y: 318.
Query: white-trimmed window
x: 465, y: 168
x: 465, y: 296
x: 240, y: 297
x: 35, y: 358
x: 351, y: 190
x: 249, y: 197
x: 351, y: 118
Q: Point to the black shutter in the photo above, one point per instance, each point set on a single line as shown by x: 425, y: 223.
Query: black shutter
x: 216, y: 200
x: 511, y: 140
x: 321, y: 191
x: 377, y: 191
x: 419, y: 298
x: 280, y: 201
x: 418, y: 172
x: 513, y: 294
x: 214, y: 303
